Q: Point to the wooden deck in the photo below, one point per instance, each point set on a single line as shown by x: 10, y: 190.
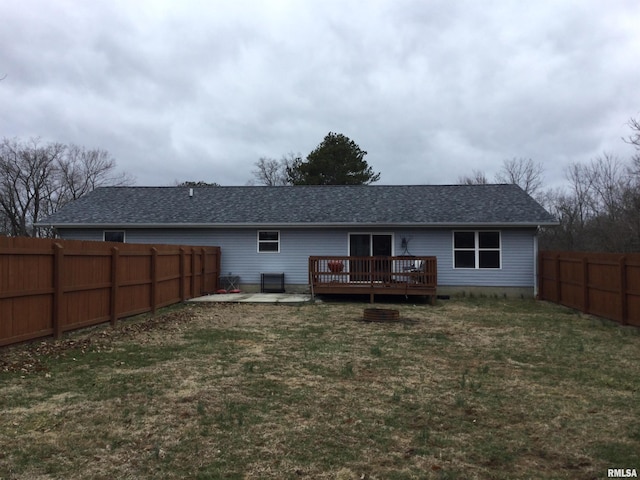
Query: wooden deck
x: 374, y: 275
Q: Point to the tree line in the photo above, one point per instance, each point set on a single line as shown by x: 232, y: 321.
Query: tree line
x: 37, y: 179
x: 598, y: 209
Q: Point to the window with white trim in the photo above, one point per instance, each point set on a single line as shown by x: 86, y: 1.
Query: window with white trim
x: 269, y: 241
x: 476, y: 249
x: 113, y: 236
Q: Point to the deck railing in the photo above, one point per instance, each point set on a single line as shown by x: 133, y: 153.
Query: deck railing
x: 392, y: 275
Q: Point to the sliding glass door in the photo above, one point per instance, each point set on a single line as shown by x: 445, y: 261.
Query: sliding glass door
x: 369, y: 245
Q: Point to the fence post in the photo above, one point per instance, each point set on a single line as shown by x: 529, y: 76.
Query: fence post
x: 624, y: 313
x: 115, y: 259
x: 58, y: 291
x: 585, y: 284
x: 208, y: 281
x: 216, y: 275
x: 203, y: 264
x: 183, y: 295
x: 556, y: 273
x: 154, y: 279
x: 193, y: 273
x: 539, y: 274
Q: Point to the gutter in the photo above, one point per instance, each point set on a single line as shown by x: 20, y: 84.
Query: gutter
x: 300, y: 225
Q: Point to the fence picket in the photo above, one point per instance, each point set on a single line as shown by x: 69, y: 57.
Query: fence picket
x: 52, y: 286
x: 154, y: 280
x: 602, y: 284
x: 624, y: 310
x: 115, y: 260
x: 58, y: 291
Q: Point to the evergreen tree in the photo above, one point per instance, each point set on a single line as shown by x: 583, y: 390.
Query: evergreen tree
x: 336, y: 161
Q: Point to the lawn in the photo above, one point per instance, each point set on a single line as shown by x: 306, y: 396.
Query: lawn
x: 469, y: 388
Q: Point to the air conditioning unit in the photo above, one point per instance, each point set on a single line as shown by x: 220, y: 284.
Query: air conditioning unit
x: 272, y: 282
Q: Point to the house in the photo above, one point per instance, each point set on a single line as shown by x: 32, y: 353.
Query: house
x: 482, y: 237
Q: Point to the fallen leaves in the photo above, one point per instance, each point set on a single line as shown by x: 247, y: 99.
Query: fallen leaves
x: 30, y: 358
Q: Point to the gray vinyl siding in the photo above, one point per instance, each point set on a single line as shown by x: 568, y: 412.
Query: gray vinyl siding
x: 239, y: 254
x: 517, y: 265
x: 239, y: 248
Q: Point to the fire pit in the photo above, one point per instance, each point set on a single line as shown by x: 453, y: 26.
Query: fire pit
x: 381, y: 315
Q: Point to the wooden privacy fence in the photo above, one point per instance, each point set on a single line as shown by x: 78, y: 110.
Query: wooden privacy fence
x: 51, y: 286
x: 603, y: 284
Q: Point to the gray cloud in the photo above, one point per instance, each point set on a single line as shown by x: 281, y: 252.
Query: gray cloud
x: 201, y: 90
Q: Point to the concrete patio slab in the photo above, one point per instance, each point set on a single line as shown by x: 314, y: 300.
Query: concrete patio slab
x: 284, y: 298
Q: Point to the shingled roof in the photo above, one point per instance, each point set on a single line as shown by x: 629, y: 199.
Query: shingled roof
x: 379, y: 205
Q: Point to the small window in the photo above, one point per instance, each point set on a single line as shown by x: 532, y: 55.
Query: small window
x: 465, y: 259
x: 269, y: 242
x: 465, y: 240
x: 476, y: 249
x: 489, y: 240
x: 114, y: 236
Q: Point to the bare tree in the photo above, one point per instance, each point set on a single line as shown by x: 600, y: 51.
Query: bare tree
x: 523, y: 172
x: 581, y: 191
x: 598, y: 186
x: 25, y: 171
x: 634, y: 138
x: 563, y: 207
x: 609, y: 180
x: 36, y: 180
x: 269, y: 172
x: 599, y: 209
x: 272, y: 172
x: 631, y: 198
x: 477, y: 177
x: 83, y: 170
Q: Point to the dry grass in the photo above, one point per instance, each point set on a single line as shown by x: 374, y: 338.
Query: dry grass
x: 479, y: 388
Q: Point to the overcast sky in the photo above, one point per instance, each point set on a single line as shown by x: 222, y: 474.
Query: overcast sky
x: 200, y: 90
